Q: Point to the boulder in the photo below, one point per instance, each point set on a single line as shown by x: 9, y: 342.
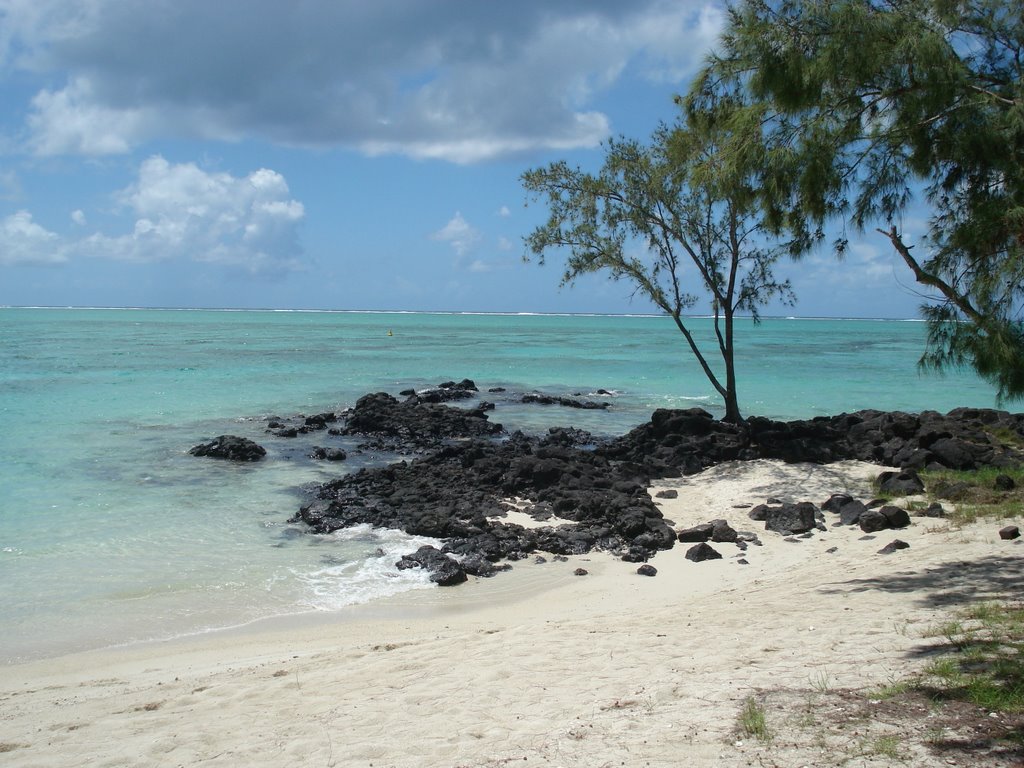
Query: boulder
x: 904, y: 483
x: 954, y: 490
x: 849, y: 513
x: 701, y: 552
x: 230, y: 447
x: 320, y: 420
x: 953, y: 452
x: 872, y: 520
x: 836, y: 502
x: 566, y: 402
x: 893, y: 546
x: 647, y: 570
x: 789, y: 519
x: 1004, y: 483
x: 698, y: 533
x: 722, y: 532
x: 328, y: 454
x: 895, y: 516
x: 932, y: 510
x: 759, y: 513
x: 1009, y: 532
x: 444, y: 571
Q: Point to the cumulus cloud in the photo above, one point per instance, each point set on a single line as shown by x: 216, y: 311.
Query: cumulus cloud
x: 78, y: 216
x: 462, y: 81
x: 72, y: 121
x: 504, y: 212
x: 23, y: 241
x: 181, y: 211
x: 459, y: 234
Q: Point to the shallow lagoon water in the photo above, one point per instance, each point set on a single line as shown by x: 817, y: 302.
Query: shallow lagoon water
x: 110, y: 532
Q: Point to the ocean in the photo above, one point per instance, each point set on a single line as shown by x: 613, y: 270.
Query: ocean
x: 111, y: 533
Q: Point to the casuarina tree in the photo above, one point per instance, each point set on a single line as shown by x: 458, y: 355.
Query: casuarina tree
x: 869, y: 107
x: 677, y: 223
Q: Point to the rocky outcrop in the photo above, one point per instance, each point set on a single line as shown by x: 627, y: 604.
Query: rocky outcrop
x: 230, y: 447
x: 906, y: 483
x: 702, y: 552
x: 787, y: 519
x: 566, y: 402
x: 457, y: 494
x: 444, y: 571
x: 415, y: 422
x: 466, y: 468
x: 328, y: 454
x: 676, y: 442
x: 445, y: 392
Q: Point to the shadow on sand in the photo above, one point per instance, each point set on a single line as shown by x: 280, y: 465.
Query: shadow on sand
x: 956, y: 585
x: 953, y: 584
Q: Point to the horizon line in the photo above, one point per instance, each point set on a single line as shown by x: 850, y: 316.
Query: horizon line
x: 441, y: 312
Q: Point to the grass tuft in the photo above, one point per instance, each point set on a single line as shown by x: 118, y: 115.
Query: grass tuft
x: 976, y: 494
x: 753, y: 721
x: 987, y: 668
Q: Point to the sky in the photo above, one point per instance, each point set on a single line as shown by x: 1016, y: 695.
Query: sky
x: 338, y: 154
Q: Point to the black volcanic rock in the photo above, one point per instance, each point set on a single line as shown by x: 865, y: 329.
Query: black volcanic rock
x: 682, y: 442
x: 444, y: 571
x: 328, y: 454
x: 414, y: 422
x: 230, y: 447
x: 788, y: 519
x: 906, y: 483
x: 457, y: 494
x: 895, y: 516
x: 445, y: 392
x: 849, y: 513
x: 566, y: 402
x: 893, y: 546
x: 701, y: 552
x: 466, y: 469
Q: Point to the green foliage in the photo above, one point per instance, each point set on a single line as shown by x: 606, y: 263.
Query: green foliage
x: 674, y: 219
x: 988, y: 668
x: 976, y: 495
x: 883, y: 746
x: 752, y: 720
x: 860, y: 103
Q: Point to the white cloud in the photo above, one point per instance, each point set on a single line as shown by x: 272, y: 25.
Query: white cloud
x: 461, y: 82
x: 22, y: 241
x: 504, y: 212
x: 459, y: 234
x: 504, y: 244
x: 72, y: 121
x: 78, y: 216
x: 183, y: 212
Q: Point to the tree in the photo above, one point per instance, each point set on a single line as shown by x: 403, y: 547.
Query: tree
x: 864, y: 103
x: 672, y: 220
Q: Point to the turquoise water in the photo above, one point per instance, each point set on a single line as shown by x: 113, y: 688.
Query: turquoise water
x: 110, y: 532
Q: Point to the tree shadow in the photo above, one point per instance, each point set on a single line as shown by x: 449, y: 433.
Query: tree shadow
x: 786, y: 482
x: 952, y: 584
x: 987, y: 667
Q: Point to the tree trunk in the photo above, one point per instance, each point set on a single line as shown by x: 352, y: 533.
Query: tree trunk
x: 732, y: 404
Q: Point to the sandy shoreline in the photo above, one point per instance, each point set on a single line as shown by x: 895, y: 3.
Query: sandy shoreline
x: 536, y: 666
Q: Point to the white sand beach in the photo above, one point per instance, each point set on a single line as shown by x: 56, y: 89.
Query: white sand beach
x: 542, y: 667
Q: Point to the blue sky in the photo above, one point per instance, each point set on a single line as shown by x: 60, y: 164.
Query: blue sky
x: 336, y: 154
